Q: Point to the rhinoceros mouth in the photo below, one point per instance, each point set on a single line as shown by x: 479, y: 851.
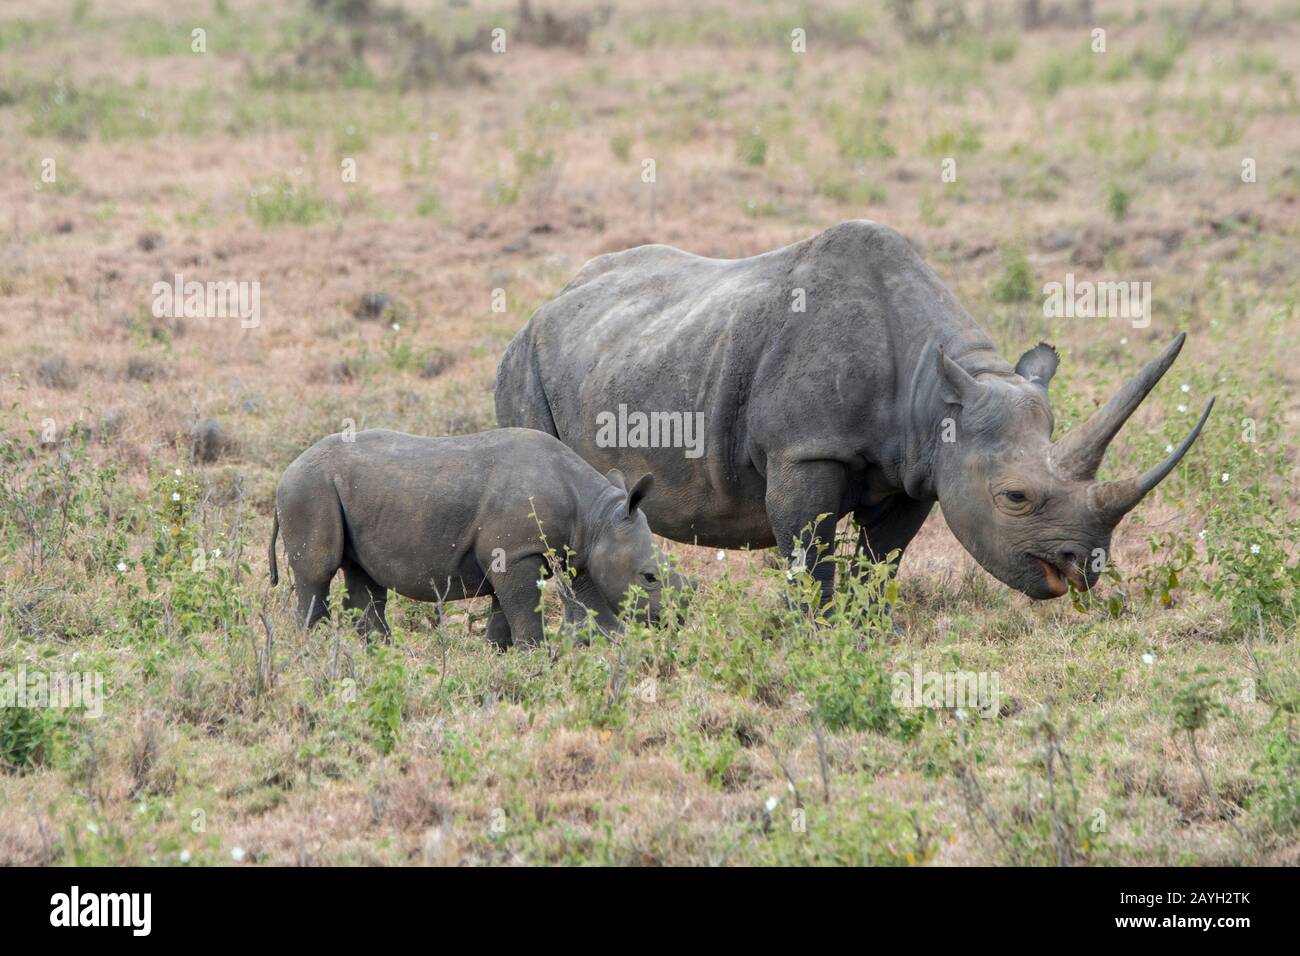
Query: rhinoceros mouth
x: 1060, y: 576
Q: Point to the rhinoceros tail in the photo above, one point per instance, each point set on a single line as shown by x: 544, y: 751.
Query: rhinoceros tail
x: 270, y: 551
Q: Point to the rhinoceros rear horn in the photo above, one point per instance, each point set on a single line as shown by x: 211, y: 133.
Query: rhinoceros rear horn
x: 1114, y: 499
x: 1078, y: 455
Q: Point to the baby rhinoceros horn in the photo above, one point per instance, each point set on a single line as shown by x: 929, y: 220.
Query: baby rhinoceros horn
x: 1078, y: 455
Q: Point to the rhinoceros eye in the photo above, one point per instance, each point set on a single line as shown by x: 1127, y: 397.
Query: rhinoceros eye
x: 1014, y: 501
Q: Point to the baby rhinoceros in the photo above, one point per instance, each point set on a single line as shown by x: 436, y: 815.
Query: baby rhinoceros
x: 442, y: 519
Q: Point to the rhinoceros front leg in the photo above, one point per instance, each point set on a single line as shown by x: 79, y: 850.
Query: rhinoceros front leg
x: 498, y: 626
x: 798, y: 494
x: 517, y: 596
x: 887, y: 527
x: 890, y: 526
x: 589, y: 597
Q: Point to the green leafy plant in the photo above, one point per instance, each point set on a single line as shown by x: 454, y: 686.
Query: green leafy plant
x: 385, y: 696
x: 279, y: 201
x: 1016, y: 283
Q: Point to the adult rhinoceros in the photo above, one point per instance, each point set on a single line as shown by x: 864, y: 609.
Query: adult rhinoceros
x: 879, y: 398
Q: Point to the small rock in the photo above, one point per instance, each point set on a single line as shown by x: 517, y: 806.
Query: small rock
x: 436, y: 364
x: 208, y: 441
x: 373, y: 305
x: 149, y: 241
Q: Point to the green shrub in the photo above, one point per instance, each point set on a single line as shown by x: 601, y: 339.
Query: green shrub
x: 385, y: 696
x: 27, y: 737
x: 861, y: 830
x: 1276, y: 796
x: 279, y: 202
x: 1017, y: 282
x: 751, y: 147
x: 1117, y: 200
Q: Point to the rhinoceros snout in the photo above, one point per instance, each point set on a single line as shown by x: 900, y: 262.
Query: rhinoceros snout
x: 1062, y: 569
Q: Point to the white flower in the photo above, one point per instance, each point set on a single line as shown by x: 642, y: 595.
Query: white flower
x: 1187, y: 388
x: 178, y: 472
x: 541, y: 583
x: 1202, y: 534
x: 722, y: 555
x: 92, y: 827
x: 1123, y: 340
x: 771, y: 804
x: 237, y: 854
x: 1168, y: 449
x: 216, y: 552
x: 959, y: 714
x: 1148, y: 659
x: 185, y: 856
x: 121, y: 567
x: 397, y: 327
x: 176, y: 496
x: 1225, y: 478
x: 1182, y: 408
x: 1254, y: 549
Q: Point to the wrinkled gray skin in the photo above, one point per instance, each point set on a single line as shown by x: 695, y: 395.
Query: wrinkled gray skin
x: 424, y: 516
x: 839, y: 409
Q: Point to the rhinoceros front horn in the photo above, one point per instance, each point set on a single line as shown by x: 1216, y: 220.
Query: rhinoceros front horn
x: 1114, y: 499
x: 1078, y: 455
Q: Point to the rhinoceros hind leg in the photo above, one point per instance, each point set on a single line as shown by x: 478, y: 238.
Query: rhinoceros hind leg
x: 313, y: 599
x: 366, y: 596
x: 311, y: 527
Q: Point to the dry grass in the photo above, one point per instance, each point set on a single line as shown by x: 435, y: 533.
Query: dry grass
x: 508, y: 172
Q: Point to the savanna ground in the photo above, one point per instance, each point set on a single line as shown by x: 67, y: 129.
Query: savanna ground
x: 1151, y: 722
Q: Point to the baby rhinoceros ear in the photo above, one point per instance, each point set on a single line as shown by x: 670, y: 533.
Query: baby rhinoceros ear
x: 1038, y: 365
x: 638, y: 493
x: 615, y: 478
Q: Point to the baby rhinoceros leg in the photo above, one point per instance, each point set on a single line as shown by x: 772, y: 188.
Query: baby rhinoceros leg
x: 516, y: 593
x: 589, y: 598
x: 366, y: 596
x: 498, y: 627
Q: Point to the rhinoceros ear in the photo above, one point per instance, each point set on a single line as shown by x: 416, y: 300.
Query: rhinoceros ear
x: 615, y: 478
x: 958, y: 386
x: 638, y: 492
x: 1038, y: 364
